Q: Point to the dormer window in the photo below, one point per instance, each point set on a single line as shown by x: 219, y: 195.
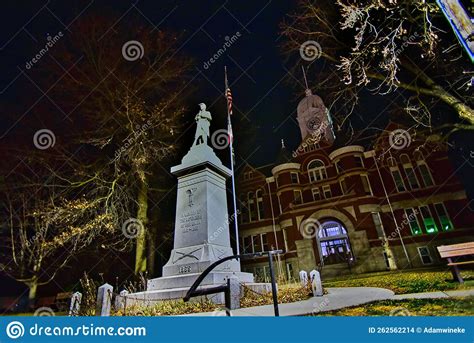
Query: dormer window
x: 316, y: 171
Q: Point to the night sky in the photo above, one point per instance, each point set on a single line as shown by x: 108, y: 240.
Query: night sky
x: 255, y: 64
x: 265, y: 92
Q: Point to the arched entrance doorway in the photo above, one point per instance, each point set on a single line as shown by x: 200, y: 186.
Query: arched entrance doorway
x: 333, y: 243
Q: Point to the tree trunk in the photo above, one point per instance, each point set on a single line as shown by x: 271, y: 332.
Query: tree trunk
x: 33, y: 287
x: 151, y: 253
x: 142, y: 216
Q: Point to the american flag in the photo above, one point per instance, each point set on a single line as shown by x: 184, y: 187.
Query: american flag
x: 228, y: 95
x: 229, y: 132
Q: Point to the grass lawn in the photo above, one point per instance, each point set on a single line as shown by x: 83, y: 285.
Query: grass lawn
x: 406, y: 282
x: 463, y: 306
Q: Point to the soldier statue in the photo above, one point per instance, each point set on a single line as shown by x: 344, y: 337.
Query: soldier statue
x: 203, y: 120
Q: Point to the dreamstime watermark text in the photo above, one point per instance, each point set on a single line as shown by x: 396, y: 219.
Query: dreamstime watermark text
x: 51, y: 41
x: 229, y: 41
x: 16, y: 329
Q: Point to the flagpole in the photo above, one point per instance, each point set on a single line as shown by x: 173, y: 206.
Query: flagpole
x: 231, y: 138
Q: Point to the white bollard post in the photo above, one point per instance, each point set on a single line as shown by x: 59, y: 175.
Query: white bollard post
x: 75, y: 304
x: 104, y: 300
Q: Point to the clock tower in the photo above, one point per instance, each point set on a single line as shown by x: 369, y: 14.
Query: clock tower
x: 314, y: 119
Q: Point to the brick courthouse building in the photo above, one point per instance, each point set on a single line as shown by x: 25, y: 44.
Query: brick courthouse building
x: 337, y: 208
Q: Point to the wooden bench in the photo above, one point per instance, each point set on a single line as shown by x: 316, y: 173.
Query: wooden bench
x: 456, y: 250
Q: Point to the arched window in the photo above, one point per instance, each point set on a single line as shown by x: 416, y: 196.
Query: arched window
x: 316, y: 170
x: 425, y: 173
x: 404, y: 159
x: 331, y: 228
x: 391, y: 162
x: 260, y: 212
x: 418, y: 155
x: 333, y: 243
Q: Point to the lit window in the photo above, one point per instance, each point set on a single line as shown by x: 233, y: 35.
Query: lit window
x: 428, y: 221
x: 446, y: 223
x: 294, y: 177
x: 359, y: 161
x: 260, y: 212
x: 412, y: 180
x: 298, y: 197
x: 410, y: 217
x: 316, y: 171
x: 316, y: 194
x: 366, y: 184
x: 397, y: 178
x: 327, y: 191
x: 331, y: 229
x: 425, y: 174
x: 425, y: 255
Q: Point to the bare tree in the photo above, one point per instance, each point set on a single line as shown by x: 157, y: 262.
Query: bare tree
x: 49, y: 224
x: 382, y: 46
x: 125, y: 88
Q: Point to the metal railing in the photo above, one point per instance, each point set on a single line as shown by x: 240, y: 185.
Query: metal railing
x: 194, y: 292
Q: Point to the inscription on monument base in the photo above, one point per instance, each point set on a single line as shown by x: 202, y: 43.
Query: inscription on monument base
x: 190, y: 221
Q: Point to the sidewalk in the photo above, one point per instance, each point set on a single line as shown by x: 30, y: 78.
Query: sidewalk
x: 433, y: 295
x: 336, y: 298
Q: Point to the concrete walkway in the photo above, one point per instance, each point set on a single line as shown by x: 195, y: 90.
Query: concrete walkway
x: 336, y: 298
x: 433, y: 295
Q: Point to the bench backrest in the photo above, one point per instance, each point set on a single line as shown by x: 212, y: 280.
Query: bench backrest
x: 454, y: 250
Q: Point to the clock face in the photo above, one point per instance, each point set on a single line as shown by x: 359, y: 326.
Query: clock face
x: 313, y: 123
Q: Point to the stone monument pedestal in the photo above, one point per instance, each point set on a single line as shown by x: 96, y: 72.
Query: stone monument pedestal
x: 201, y: 235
